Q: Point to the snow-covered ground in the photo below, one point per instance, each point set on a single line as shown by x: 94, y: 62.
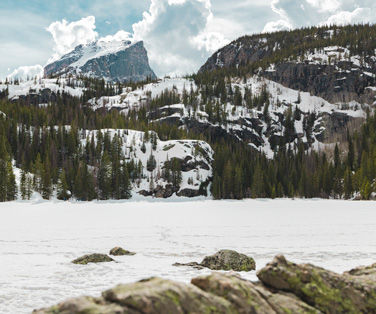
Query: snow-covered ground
x: 40, y: 239
x: 37, y: 85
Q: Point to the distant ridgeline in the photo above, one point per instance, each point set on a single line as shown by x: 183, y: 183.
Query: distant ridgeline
x: 287, y: 114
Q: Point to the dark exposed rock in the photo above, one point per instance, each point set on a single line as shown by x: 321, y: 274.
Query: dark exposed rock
x: 335, y: 126
x: 160, y: 191
x: 130, y: 64
x: 188, y: 193
x: 45, y: 96
x: 145, y: 193
x: 233, y: 55
x: 118, y: 251
x: 324, y: 81
x: 92, y: 258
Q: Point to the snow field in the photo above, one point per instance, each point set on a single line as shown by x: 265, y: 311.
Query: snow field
x: 39, y: 240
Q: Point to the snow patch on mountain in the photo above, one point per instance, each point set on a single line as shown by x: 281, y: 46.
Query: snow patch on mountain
x: 35, y: 86
x: 94, y: 50
x: 131, y: 99
x: 198, y: 156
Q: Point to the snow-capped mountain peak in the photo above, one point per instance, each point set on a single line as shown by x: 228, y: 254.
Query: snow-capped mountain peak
x: 110, y: 58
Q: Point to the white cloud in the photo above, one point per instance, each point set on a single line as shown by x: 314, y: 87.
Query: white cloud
x: 359, y: 15
x: 25, y: 72
x: 325, y: 5
x: 277, y: 26
x: 177, y: 36
x: 211, y: 41
x: 67, y: 36
x: 119, y: 36
x: 294, y: 14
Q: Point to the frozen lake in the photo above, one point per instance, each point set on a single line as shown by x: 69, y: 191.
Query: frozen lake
x: 38, y: 241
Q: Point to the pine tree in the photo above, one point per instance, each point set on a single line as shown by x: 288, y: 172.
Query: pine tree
x: 62, y: 187
x: 11, y: 184
x: 347, y: 184
x: 46, y: 182
x: 228, y: 182
x: 238, y: 183
x: 258, y: 185
x: 79, y: 184
x: 104, y: 177
x: 176, y: 174
x: 151, y: 163
x: 125, y: 186
x: 38, y: 169
x: 23, y: 185
x: 3, y: 169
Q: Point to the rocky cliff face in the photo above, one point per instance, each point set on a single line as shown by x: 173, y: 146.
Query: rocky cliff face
x: 115, y: 62
x: 341, y: 83
x: 319, y: 64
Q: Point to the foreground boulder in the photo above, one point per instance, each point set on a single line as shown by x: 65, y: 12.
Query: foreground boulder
x: 153, y: 295
x: 217, y: 293
x: 352, y: 292
x: 225, y: 260
x: 92, y: 258
x: 118, y: 251
x: 284, y: 287
x: 249, y: 297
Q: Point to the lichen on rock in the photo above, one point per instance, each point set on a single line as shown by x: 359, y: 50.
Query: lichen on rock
x: 92, y: 258
x: 229, y: 260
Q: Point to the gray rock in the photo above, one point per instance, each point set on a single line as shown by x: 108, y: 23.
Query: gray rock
x: 229, y: 260
x: 92, y: 258
x: 225, y: 260
x: 118, y: 251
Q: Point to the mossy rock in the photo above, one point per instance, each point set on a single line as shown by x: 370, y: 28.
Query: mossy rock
x: 229, y: 260
x: 118, y: 251
x: 156, y: 295
x: 323, y: 289
x: 83, y: 305
x: 92, y: 258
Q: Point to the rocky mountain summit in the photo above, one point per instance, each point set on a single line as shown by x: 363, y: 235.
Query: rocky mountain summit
x: 116, y: 61
x: 284, y: 287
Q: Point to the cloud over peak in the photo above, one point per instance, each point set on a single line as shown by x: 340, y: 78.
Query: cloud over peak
x: 67, y: 36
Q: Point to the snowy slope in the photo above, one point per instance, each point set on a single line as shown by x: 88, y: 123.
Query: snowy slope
x: 134, y: 99
x: 200, y: 154
x: 35, y: 86
x: 94, y: 50
x: 281, y: 98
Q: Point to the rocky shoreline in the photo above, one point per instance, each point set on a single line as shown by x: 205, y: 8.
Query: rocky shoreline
x: 283, y: 287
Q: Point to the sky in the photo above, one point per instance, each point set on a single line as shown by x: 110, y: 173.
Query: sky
x: 179, y: 35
